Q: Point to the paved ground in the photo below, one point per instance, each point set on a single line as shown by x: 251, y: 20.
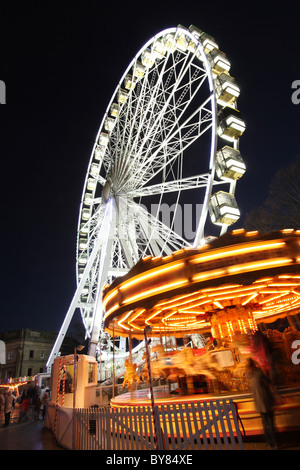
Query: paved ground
x: 30, y: 435
x: 34, y: 436
x: 27, y: 436
x: 285, y: 440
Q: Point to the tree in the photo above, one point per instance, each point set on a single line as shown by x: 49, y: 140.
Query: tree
x: 281, y: 209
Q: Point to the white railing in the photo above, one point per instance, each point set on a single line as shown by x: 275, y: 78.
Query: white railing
x: 187, y: 426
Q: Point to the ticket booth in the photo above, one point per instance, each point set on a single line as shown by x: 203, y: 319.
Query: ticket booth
x: 81, y: 378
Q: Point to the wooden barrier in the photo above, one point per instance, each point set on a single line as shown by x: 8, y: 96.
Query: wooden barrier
x: 194, y: 426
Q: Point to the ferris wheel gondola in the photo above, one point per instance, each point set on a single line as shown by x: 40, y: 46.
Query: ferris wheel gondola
x: 155, y: 163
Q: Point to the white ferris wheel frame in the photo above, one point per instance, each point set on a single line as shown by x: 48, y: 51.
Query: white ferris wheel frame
x: 102, y: 223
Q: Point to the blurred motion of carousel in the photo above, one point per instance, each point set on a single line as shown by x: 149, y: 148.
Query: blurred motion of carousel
x: 220, y: 298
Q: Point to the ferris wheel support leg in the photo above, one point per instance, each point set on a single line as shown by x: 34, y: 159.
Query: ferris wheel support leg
x: 106, y: 252
x: 76, y: 298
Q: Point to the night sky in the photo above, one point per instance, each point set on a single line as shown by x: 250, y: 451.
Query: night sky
x: 61, y: 63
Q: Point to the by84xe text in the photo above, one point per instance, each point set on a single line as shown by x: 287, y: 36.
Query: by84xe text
x: 168, y: 459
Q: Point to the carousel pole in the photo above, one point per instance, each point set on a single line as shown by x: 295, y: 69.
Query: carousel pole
x: 157, y: 435
x: 130, y: 359
x: 113, y: 391
x: 100, y: 359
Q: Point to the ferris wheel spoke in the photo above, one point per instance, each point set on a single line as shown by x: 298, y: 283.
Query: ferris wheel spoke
x: 182, y: 136
x: 131, y: 241
x: 165, y: 116
x: 197, y: 181
x: 161, y: 93
x: 158, y: 231
x: 172, y: 108
x: 155, y: 243
x: 174, y: 146
x: 129, y: 125
x: 127, y: 237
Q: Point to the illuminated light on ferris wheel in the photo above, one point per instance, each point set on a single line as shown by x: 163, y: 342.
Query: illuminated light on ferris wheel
x: 159, y: 144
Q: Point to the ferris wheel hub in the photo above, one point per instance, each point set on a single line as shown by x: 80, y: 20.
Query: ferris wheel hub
x: 106, y: 191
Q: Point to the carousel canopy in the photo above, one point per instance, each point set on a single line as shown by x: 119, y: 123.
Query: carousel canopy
x: 178, y: 294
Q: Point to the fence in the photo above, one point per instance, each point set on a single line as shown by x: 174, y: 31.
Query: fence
x: 187, y: 426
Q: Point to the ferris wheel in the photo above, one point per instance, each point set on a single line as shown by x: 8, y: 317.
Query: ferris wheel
x: 156, y: 162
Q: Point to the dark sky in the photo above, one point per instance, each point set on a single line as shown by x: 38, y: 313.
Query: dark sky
x: 61, y: 62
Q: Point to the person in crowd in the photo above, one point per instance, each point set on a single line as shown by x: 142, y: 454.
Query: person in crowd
x: 8, y: 406
x: 263, y: 400
x: 37, y: 407
x: 45, y: 404
x: 24, y: 407
x: 2, y: 401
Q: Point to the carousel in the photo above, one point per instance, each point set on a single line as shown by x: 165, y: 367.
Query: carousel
x: 227, y: 293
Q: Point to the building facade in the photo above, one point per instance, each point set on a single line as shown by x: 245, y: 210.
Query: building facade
x: 27, y: 352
